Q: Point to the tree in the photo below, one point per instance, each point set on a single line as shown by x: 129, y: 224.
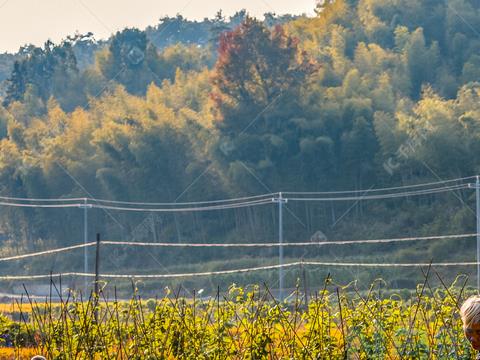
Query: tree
x: 125, y: 62
x: 49, y: 71
x: 136, y: 63
x: 257, y: 83
x: 219, y: 26
x: 421, y: 61
x: 238, y: 18
x: 17, y: 84
x: 255, y: 66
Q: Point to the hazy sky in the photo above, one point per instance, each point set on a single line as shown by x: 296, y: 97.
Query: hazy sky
x: 35, y: 21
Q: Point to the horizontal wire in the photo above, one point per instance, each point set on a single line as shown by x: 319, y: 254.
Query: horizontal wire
x: 188, y: 209
x: 314, y: 263
x: 270, y: 195
x: 47, y: 252
x: 151, y: 244
x: 44, y: 276
x: 382, y: 196
x: 240, y: 204
x: 377, y: 190
x: 268, y: 201
x: 235, y: 271
x: 52, y: 206
x: 95, y: 200
x: 287, y: 244
x: 179, y: 209
x: 42, y: 200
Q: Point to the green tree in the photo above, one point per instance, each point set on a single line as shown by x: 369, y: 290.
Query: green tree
x: 421, y: 61
x: 129, y: 61
x: 48, y: 71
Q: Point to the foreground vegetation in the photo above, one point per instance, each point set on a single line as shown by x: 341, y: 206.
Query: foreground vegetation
x: 337, y: 322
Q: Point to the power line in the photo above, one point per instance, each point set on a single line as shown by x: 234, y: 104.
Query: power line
x: 96, y: 200
x: 188, y: 209
x: 290, y: 244
x: 268, y: 201
x: 254, y: 245
x: 270, y: 195
x: 41, y: 200
x: 47, y: 252
x: 221, y: 201
x: 286, y: 265
x: 378, y: 190
x: 51, y: 206
x: 178, y: 209
x: 235, y: 203
x: 238, y: 271
x: 44, y: 276
x: 260, y: 201
x: 392, y: 265
x: 382, y: 196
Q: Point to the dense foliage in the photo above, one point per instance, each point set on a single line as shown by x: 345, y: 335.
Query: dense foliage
x: 317, y: 104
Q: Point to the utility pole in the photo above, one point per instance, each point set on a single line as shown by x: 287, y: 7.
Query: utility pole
x: 85, y: 206
x: 477, y: 212
x: 280, y: 200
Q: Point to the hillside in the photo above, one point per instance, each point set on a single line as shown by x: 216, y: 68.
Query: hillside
x: 367, y: 94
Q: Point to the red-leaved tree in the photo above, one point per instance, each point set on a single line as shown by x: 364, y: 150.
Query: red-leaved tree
x: 256, y: 67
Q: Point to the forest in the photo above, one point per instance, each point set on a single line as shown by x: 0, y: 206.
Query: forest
x: 230, y: 107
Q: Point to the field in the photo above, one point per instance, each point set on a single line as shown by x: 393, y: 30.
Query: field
x: 338, y: 322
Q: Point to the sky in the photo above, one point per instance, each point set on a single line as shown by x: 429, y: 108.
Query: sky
x: 35, y: 21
